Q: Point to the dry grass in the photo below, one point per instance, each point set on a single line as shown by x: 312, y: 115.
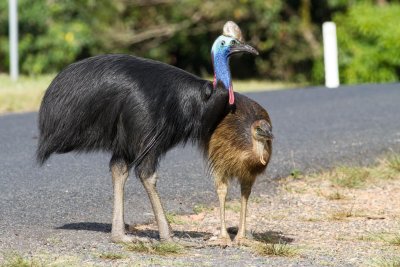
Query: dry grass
x: 163, y: 248
x: 23, y: 95
x: 244, y: 86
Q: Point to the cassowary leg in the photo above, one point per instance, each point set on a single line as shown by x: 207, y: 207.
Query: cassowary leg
x: 222, y: 190
x: 119, y: 172
x: 164, y: 228
x: 245, y: 193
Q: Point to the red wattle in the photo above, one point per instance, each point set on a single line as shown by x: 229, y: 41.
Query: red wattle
x: 231, y: 96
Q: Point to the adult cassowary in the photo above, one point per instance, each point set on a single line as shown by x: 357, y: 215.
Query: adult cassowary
x: 136, y: 109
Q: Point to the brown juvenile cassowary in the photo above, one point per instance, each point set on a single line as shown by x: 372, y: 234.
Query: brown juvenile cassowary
x: 240, y: 147
x: 136, y: 109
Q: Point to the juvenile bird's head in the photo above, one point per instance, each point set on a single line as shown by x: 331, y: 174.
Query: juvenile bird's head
x: 261, y: 131
x: 230, y: 43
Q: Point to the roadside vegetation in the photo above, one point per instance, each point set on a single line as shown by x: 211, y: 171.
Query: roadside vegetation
x: 24, y: 95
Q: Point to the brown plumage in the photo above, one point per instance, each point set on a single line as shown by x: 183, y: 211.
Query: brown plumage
x: 240, y: 148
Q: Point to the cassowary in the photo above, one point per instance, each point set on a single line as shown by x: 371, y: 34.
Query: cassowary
x: 136, y: 109
x: 240, y: 147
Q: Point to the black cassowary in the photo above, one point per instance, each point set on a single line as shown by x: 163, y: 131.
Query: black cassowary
x: 240, y: 147
x: 137, y: 109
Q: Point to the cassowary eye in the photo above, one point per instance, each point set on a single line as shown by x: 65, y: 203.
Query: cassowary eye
x: 223, y: 43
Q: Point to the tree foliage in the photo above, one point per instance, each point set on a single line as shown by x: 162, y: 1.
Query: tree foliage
x: 55, y: 33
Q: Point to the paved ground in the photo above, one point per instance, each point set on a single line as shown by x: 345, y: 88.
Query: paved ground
x: 314, y: 128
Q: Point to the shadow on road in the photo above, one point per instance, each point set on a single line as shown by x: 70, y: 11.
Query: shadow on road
x: 87, y: 226
x: 106, y: 228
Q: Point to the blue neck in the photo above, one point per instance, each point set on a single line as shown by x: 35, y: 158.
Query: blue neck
x: 221, y: 70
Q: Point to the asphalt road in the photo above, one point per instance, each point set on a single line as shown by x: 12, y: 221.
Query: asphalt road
x: 314, y: 128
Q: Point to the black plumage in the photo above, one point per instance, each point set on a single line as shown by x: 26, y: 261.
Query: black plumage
x: 115, y: 103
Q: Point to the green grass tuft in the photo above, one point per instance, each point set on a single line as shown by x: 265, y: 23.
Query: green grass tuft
x: 350, y: 177
x: 393, y: 162
x: 173, y: 218
x: 296, y: 173
x: 386, y: 262
x: 16, y: 260
x: 276, y: 249
x: 111, y: 256
x: 163, y: 248
x: 201, y: 208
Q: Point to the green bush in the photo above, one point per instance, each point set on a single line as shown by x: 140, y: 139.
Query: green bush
x: 369, y: 44
x: 50, y: 37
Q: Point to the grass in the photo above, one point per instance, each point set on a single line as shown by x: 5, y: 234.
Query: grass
x: 354, y: 177
x: 335, y: 196
x: 23, y: 95
x: 164, y: 248
x: 235, y: 207
x: 173, y: 218
x: 111, y: 256
x: 341, y: 215
x: 244, y: 86
x: 201, y: 208
x: 296, y: 174
x: 393, y: 162
x: 392, y: 239
x: 16, y: 260
x: 386, y: 262
x: 350, y: 177
x: 276, y: 249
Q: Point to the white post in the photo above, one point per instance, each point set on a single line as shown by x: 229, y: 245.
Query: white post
x: 13, y: 36
x: 330, y: 55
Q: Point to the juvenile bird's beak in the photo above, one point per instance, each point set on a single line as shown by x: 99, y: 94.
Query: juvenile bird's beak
x: 242, y: 48
x: 264, y: 130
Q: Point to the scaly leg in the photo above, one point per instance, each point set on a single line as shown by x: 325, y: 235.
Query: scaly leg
x: 222, y: 190
x: 164, y: 228
x: 245, y: 193
x: 119, y: 172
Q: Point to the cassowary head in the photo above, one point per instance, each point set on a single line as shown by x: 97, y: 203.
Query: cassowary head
x: 229, y: 43
x: 261, y: 132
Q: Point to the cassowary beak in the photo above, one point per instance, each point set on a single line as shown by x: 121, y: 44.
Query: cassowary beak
x: 242, y: 48
x: 265, y: 131
x: 266, y: 134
